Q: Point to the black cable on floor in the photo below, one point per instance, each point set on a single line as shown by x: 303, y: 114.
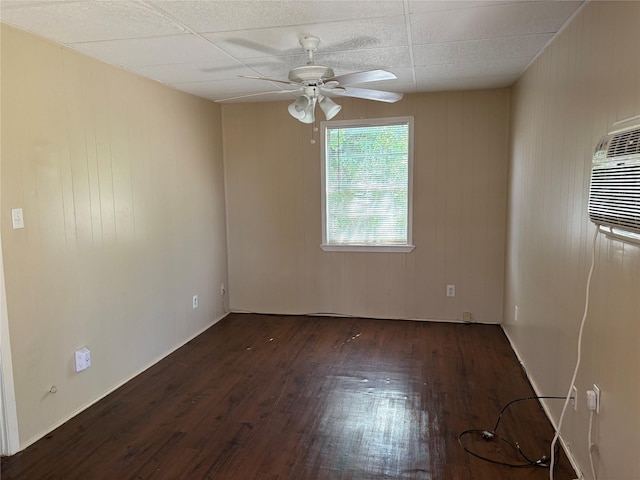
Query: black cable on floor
x: 489, y: 435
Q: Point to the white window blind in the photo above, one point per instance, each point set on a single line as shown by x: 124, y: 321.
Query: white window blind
x: 367, y: 183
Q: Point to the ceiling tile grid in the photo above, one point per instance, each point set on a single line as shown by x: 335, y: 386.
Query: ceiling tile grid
x: 201, y: 47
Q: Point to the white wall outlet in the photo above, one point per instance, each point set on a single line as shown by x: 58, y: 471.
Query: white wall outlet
x: 222, y: 289
x: 451, y: 290
x: 83, y: 359
x: 574, y: 397
x: 466, y: 316
x: 593, y: 399
x: 195, y: 301
x: 17, y: 219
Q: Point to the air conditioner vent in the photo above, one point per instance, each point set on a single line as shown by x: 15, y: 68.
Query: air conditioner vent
x: 623, y: 144
x: 614, y: 197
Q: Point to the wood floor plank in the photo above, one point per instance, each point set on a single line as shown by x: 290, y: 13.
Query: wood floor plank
x: 289, y: 397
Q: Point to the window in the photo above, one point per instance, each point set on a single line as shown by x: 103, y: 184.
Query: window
x: 367, y: 168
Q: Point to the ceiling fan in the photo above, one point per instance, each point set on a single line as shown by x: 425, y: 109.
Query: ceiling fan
x: 318, y: 82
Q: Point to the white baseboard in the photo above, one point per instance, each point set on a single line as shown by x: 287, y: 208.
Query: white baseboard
x: 375, y: 317
x: 565, y: 447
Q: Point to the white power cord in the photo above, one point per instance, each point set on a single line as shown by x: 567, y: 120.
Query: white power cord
x: 578, y: 359
x: 593, y: 470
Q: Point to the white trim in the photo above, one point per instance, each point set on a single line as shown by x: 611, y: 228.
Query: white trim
x: 9, y: 434
x: 367, y: 316
x: 368, y: 248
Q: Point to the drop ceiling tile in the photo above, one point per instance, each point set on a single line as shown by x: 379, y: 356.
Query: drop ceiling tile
x: 275, y: 67
x: 479, y: 50
x: 334, y: 36
x: 71, y: 22
x: 194, y: 72
x: 508, y: 67
x: 286, y: 96
x: 153, y: 51
x: 452, y: 83
x: 340, y: 62
x: 418, y: 6
x: 383, y: 58
x: 226, y: 88
x: 490, y: 21
x: 220, y: 16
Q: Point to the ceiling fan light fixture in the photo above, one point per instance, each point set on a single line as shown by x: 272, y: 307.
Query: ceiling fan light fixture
x: 308, y: 118
x: 298, y: 109
x: 329, y: 107
x: 309, y: 113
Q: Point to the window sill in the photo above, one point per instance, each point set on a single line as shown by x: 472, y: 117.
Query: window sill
x: 368, y: 248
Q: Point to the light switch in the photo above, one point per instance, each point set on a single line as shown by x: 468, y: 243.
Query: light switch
x: 17, y: 218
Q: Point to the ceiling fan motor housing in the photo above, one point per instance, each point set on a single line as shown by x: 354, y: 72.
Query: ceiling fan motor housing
x: 310, y: 74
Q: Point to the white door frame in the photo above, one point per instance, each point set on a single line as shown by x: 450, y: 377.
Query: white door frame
x: 9, y: 438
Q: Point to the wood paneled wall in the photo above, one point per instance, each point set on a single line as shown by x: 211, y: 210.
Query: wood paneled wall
x: 585, y: 81
x: 121, y: 184
x: 272, y: 171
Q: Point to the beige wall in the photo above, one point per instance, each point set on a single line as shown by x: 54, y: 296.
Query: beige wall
x: 121, y: 182
x: 272, y: 173
x: 588, y: 79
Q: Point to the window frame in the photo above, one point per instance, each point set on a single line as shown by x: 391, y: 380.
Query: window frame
x: 358, y: 123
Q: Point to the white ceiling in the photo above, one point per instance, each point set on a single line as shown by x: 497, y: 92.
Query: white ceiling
x: 201, y: 47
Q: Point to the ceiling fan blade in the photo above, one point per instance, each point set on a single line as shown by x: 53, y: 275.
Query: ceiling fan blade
x: 328, y: 91
x: 287, y: 82
x: 257, y: 94
x: 368, y: 94
x: 362, y: 77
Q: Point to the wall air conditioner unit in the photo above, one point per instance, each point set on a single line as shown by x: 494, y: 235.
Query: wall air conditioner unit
x: 614, y: 196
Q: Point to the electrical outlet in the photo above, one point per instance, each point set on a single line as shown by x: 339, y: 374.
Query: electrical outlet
x: 222, y: 289
x: 574, y: 397
x: 17, y: 218
x: 195, y: 301
x: 466, y: 316
x: 451, y: 290
x: 79, y: 361
x: 593, y: 399
x: 83, y: 359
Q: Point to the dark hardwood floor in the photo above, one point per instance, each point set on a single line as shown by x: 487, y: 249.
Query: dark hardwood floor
x: 285, y: 397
